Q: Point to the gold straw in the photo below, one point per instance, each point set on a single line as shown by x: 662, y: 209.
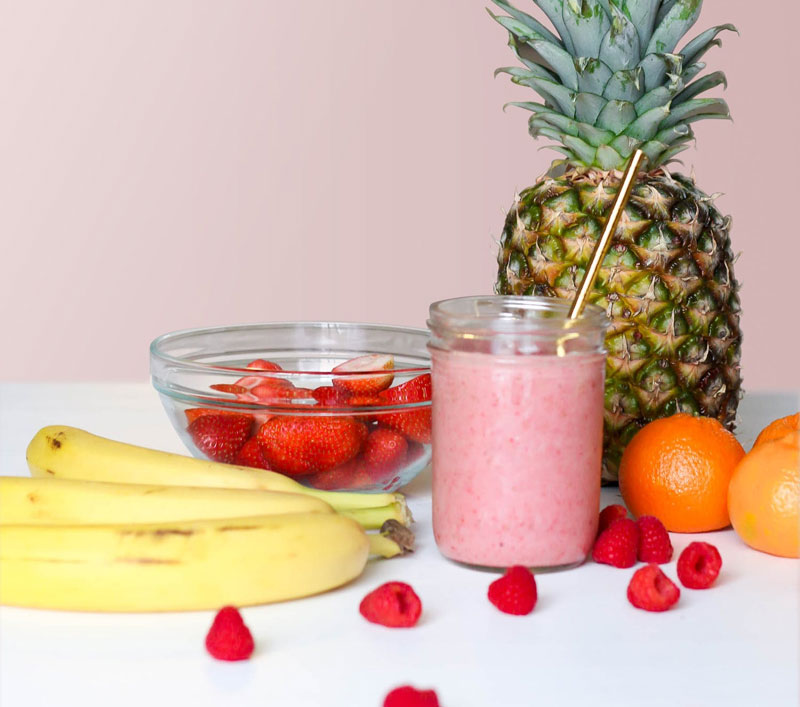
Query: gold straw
x: 601, y: 248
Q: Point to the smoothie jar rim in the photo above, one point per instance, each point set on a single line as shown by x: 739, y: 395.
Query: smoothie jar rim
x: 480, y: 316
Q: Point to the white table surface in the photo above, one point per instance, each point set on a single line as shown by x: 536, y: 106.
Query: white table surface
x: 736, y: 644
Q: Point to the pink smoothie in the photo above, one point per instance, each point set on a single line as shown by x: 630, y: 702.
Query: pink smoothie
x: 517, y: 444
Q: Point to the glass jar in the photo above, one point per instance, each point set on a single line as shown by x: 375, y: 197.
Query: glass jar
x: 517, y: 430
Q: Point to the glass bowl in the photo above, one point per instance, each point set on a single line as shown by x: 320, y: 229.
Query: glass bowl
x: 266, y: 396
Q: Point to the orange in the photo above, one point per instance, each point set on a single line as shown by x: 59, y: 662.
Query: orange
x: 678, y: 468
x: 778, y: 428
x: 764, y: 497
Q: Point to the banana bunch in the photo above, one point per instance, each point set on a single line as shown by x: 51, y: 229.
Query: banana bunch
x: 107, y: 526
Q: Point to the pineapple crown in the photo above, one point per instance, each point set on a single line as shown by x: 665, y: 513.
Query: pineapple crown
x: 611, y: 79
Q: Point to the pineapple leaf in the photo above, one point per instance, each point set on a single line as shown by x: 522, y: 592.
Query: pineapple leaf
x: 647, y: 124
x: 700, y: 86
x: 593, y: 75
x: 666, y: 6
x: 555, y: 93
x: 616, y: 116
x: 586, y: 23
x: 619, y: 48
x: 696, y: 107
x: 588, y: 133
x: 700, y: 44
x: 656, y: 66
x: 557, y: 60
x: 608, y: 158
x: 588, y: 107
x: 625, y: 145
x: 554, y: 9
x: 642, y: 14
x: 585, y: 152
x: 653, y: 149
x: 691, y: 71
x: 668, y: 155
x: 676, y: 23
x: 527, y: 56
x: 659, y: 96
x: 669, y: 136
x: 522, y: 77
x: 625, y: 85
x: 530, y: 22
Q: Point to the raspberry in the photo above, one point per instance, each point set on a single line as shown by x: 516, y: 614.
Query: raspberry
x: 617, y: 544
x: 515, y: 592
x: 699, y: 565
x: 650, y: 589
x: 228, y: 638
x: 394, y: 604
x: 654, y: 543
x: 407, y: 696
x: 609, y: 514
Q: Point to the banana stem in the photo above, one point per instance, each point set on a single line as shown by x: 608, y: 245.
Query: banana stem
x: 374, y: 518
x: 392, y: 540
x: 350, y: 500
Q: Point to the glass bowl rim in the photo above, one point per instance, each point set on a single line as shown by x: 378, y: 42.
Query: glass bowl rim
x: 157, y: 353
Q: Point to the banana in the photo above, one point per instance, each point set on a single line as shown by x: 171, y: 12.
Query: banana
x: 68, y: 452
x: 180, y: 566
x: 68, y: 501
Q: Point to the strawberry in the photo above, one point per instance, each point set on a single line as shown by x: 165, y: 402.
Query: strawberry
x: 414, y: 424
x: 298, y: 445
x: 365, y: 400
x: 193, y: 413
x: 229, y: 638
x: 357, y: 376
x: 250, y: 455
x: 328, y: 396
x: 220, y: 436
x: 618, y: 544
x: 349, y: 476
x: 261, y: 365
x: 384, y: 452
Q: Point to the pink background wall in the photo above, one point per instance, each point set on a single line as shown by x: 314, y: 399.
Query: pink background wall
x: 177, y: 163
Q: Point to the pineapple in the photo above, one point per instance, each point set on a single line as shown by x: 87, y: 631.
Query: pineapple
x: 611, y: 80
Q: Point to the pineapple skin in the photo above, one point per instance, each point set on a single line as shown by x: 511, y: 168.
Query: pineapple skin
x: 667, y: 286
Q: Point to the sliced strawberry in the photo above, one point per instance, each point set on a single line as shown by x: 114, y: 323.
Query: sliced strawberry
x: 261, y: 364
x: 358, y: 380
x: 228, y: 388
x: 250, y: 455
x: 416, y: 390
x: 220, y: 436
x: 351, y: 475
x: 384, y: 452
x: 302, y: 445
x: 414, y: 424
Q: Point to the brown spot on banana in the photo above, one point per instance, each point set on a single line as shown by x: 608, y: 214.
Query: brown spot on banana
x: 55, y: 442
x: 33, y: 497
x: 50, y: 471
x: 148, y: 561
x: 158, y: 533
x: 225, y: 528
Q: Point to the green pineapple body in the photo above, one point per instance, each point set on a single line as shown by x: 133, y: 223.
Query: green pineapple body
x: 611, y: 80
x: 667, y: 285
